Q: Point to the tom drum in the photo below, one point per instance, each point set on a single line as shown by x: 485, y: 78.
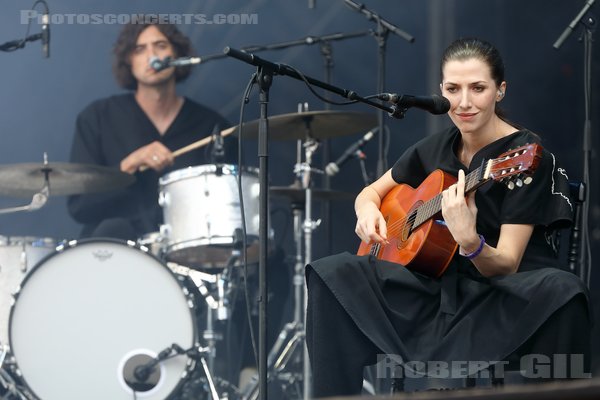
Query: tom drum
x: 202, y: 214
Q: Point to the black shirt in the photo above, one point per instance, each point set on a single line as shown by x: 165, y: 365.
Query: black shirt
x: 110, y: 129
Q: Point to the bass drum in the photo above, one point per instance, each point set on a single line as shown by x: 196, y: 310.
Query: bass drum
x: 89, y: 316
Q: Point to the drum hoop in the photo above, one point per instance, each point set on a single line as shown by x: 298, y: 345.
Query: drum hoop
x: 60, y: 249
x: 128, y: 243
x: 198, y: 170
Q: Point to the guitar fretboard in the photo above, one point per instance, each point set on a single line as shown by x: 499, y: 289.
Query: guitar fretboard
x: 434, y: 205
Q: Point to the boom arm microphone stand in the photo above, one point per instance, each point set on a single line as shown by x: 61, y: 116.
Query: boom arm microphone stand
x: 588, y: 20
x: 265, y: 72
x: 13, y: 45
x: 383, y: 29
x: 44, y: 36
x: 308, y: 40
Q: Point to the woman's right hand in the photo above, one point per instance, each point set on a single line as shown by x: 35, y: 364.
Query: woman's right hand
x: 370, y: 225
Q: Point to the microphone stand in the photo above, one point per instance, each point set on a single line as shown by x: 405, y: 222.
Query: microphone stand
x: 383, y: 29
x: 589, y: 24
x: 308, y: 40
x: 265, y: 72
x: 13, y: 45
x: 264, y: 80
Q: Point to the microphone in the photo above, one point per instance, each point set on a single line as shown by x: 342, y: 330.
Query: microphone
x: 46, y: 34
x: 435, y: 104
x: 143, y: 372
x: 218, y: 149
x: 158, y: 65
x: 334, y: 167
x: 311, y: 3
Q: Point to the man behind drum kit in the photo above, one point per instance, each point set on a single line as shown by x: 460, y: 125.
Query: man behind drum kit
x: 140, y: 130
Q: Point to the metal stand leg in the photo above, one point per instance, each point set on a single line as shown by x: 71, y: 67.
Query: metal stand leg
x: 288, y: 362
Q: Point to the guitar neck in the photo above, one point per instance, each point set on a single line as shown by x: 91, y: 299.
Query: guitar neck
x: 431, y: 207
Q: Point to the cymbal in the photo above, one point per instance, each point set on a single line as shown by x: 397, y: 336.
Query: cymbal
x: 26, y: 179
x: 314, y: 124
x: 297, y: 194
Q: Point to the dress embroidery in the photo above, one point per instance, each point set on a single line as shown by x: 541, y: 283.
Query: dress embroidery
x: 562, y: 172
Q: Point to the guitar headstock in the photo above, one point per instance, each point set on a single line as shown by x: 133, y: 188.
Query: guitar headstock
x: 515, y: 166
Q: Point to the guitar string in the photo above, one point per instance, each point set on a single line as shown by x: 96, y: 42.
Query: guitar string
x: 471, y: 178
x: 397, y: 226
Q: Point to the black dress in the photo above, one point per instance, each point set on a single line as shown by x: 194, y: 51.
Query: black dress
x: 110, y: 129
x: 359, y: 307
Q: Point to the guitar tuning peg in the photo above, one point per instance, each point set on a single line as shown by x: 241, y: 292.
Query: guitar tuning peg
x: 510, y: 185
x: 519, y: 182
x: 528, y: 180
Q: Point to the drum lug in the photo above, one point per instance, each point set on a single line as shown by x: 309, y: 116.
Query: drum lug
x: 163, y: 199
x: 23, y: 259
x: 165, y: 230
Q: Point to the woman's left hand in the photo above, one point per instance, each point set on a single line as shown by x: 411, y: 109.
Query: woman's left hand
x: 460, y: 213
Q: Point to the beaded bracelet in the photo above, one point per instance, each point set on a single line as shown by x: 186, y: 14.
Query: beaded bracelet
x: 474, y: 254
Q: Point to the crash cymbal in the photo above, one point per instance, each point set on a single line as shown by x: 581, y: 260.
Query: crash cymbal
x: 24, y: 180
x: 297, y: 195
x: 315, y: 124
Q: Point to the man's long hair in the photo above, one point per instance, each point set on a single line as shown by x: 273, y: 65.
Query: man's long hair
x: 126, y: 43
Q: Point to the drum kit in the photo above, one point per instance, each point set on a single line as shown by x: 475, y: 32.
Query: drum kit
x: 109, y: 319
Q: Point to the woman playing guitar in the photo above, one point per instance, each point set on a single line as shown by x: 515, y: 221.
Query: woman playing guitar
x: 454, y: 269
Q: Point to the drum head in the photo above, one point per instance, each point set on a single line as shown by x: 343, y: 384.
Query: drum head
x: 88, y: 315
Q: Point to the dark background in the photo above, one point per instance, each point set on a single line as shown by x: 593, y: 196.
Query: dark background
x: 40, y: 98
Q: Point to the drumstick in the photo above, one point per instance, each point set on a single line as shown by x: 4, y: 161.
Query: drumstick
x: 196, y: 145
x: 202, y: 142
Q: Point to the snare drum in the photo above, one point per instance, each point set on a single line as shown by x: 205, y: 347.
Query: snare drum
x: 201, y: 211
x: 18, y: 255
x: 94, y: 311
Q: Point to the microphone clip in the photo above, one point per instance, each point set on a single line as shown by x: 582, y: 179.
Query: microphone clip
x: 218, y: 149
x: 397, y: 111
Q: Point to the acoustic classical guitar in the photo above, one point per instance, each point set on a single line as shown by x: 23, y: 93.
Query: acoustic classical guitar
x: 417, y: 235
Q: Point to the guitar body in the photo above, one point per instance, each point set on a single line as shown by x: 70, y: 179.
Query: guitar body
x: 428, y: 248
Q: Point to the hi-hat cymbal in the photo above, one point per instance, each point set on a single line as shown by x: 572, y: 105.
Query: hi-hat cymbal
x: 24, y: 180
x: 312, y: 124
x: 298, y: 195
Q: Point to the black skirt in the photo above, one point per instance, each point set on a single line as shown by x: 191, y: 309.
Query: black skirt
x: 460, y: 316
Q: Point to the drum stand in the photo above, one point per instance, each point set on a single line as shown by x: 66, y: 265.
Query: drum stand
x: 289, y: 348
x: 9, y: 388
x: 217, y: 308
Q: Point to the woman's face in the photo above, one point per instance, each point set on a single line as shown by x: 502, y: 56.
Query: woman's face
x: 472, y: 92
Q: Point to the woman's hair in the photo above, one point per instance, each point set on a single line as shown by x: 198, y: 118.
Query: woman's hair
x: 468, y: 48
x: 126, y: 43
x: 465, y: 49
